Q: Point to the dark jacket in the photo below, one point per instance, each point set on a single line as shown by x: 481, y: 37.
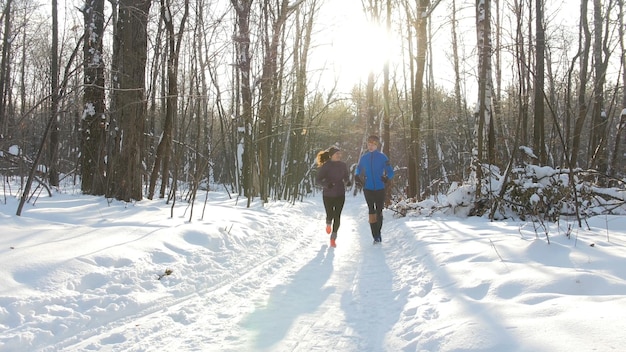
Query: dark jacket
x: 373, y: 168
x: 332, y: 176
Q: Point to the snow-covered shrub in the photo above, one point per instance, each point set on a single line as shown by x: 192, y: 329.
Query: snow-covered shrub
x: 531, y: 192
x: 538, y: 191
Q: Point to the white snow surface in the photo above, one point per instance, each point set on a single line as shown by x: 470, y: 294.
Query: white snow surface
x: 81, y: 273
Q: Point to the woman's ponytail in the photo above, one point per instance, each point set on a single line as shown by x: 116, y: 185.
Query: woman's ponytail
x: 322, y: 157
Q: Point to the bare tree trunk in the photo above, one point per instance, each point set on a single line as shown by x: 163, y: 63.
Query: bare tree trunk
x: 386, y: 93
x: 539, y: 130
x: 456, y: 63
x: 421, y: 25
x: 599, y: 118
x: 94, y: 121
x: 372, y: 10
x: 5, y: 67
x: 296, y: 145
x: 23, y: 57
x: 242, y: 43
x: 431, y: 162
x: 387, y: 102
x: 554, y: 149
x: 370, y: 105
x: 498, y: 60
x: 616, y: 165
x: 460, y: 108
x: 483, y: 26
x: 585, y: 38
x: 504, y: 151
x: 522, y: 72
x: 164, y: 149
x: 155, y: 108
x: 129, y: 57
x: 270, y: 94
x: 53, y: 151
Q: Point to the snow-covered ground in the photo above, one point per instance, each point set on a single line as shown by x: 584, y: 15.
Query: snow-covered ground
x: 80, y: 273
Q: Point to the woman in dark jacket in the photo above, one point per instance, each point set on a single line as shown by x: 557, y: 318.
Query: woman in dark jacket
x: 333, y: 175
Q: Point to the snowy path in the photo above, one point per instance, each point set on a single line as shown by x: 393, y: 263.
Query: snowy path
x: 316, y: 298
x: 306, y: 297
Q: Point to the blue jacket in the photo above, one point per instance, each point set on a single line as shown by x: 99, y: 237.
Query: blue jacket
x: 371, y: 168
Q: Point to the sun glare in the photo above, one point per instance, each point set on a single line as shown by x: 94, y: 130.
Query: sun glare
x: 352, y: 47
x: 360, y: 47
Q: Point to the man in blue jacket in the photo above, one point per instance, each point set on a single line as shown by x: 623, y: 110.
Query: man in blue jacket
x: 372, y: 174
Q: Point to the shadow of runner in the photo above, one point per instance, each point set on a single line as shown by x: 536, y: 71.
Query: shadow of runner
x: 303, y: 294
x: 370, y: 307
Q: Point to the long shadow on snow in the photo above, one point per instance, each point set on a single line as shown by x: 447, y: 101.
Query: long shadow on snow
x: 478, y: 319
x: 303, y: 294
x: 371, y: 307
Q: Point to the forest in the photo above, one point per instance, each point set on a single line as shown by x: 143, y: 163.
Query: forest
x: 502, y: 99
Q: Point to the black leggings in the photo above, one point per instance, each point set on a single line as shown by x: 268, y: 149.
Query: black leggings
x: 334, y: 206
x: 375, y: 204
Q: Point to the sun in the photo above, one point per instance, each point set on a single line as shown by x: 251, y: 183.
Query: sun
x: 362, y: 47
x: 352, y: 47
